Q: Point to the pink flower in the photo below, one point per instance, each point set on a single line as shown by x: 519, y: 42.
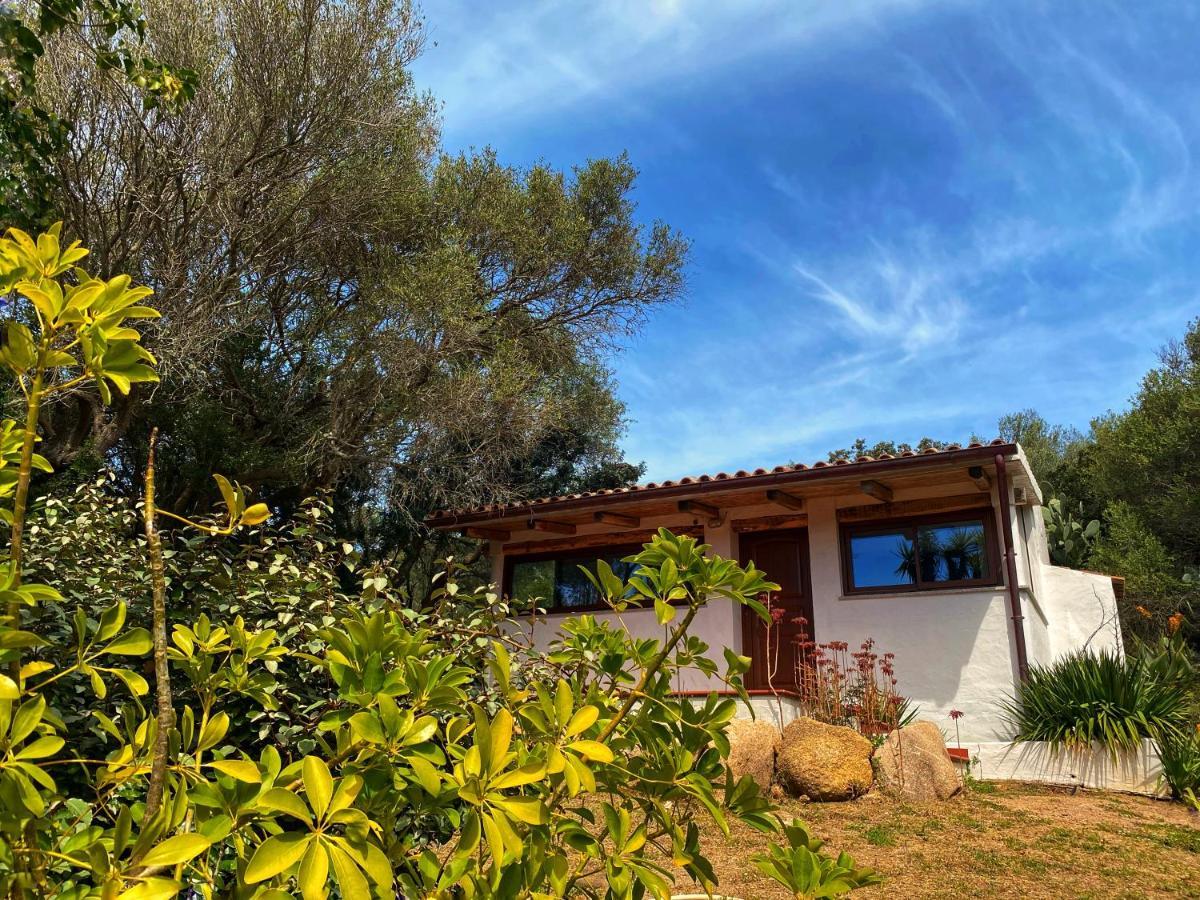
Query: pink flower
x: 956, y: 714
x: 777, y: 614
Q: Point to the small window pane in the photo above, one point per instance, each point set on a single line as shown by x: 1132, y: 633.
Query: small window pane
x: 952, y: 552
x: 533, y: 581
x: 882, y: 560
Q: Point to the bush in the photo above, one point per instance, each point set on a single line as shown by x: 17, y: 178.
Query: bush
x: 1154, y: 693
x: 1089, y: 697
x: 444, y: 756
x: 1180, y: 758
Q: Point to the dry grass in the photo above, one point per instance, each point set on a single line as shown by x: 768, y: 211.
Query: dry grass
x: 998, y: 840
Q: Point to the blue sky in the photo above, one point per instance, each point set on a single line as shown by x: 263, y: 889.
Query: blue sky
x: 908, y: 217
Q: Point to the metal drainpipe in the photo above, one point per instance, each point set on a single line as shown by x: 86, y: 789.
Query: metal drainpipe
x: 1010, y: 565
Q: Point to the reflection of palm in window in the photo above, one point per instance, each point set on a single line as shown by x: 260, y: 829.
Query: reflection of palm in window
x: 946, y: 552
x: 907, y: 569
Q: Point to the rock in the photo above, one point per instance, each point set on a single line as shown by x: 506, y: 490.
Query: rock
x: 752, y: 748
x: 823, y: 762
x: 912, y: 763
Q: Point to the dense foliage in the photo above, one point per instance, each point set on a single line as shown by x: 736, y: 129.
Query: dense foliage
x: 447, y: 757
x: 345, y: 307
x: 110, y: 34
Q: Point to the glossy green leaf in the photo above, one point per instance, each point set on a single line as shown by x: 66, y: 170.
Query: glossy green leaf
x: 174, y: 850
x: 275, y: 855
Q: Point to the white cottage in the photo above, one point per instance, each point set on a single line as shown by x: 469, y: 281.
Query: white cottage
x: 848, y: 543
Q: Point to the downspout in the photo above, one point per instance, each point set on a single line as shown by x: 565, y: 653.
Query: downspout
x: 1010, y: 566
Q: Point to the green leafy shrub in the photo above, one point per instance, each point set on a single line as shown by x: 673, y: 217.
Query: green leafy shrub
x: 1099, y: 697
x: 1180, y: 758
x: 443, y: 755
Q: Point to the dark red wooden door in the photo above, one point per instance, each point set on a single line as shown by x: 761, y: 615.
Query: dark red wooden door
x: 783, y: 556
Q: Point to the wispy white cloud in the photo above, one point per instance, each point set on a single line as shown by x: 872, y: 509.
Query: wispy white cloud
x: 908, y: 308
x: 554, y: 56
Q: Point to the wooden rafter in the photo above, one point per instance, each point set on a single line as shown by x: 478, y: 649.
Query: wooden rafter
x: 786, y: 500
x: 876, y: 489
x: 552, y: 526
x: 702, y: 510
x: 613, y: 518
x: 482, y: 533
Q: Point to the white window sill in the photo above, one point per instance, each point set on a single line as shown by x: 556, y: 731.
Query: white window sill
x: 936, y: 592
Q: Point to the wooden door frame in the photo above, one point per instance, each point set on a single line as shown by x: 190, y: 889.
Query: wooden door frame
x: 750, y: 619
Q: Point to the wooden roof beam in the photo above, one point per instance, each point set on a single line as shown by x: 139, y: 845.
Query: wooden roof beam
x: 786, y: 500
x: 876, y: 489
x: 614, y: 518
x: 481, y: 533
x: 551, y: 526
x: 700, y: 510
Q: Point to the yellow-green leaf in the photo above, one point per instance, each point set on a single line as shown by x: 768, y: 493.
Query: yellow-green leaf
x: 426, y: 774
x: 318, y: 784
x: 527, y: 774
x: 177, y: 849
x: 582, y: 720
x: 529, y: 810
x: 314, y: 872
x: 350, y: 879
x: 283, y: 800
x: 592, y: 750
x: 501, y: 738
x: 152, y: 889
x: 256, y: 514
x: 345, y: 793
x: 276, y: 854
x: 239, y: 769
x: 134, y: 642
x: 495, y: 839
x: 41, y: 748
x: 214, y: 731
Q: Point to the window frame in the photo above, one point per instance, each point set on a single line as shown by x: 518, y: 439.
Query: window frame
x: 910, y: 525
x: 592, y: 554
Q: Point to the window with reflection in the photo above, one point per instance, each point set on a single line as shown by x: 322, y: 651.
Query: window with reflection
x: 919, y: 554
x: 557, y: 582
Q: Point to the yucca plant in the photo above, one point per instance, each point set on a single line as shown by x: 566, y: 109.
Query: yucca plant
x: 1098, y: 697
x: 1180, y: 758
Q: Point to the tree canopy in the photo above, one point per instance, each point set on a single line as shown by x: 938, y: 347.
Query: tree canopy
x: 345, y: 306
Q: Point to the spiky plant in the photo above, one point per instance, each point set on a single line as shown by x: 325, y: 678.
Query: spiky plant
x: 1098, y: 697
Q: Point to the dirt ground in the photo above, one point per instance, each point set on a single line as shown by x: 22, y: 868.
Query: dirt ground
x: 997, y: 840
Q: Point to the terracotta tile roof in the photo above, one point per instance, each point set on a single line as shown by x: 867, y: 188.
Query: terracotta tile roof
x: 739, y: 479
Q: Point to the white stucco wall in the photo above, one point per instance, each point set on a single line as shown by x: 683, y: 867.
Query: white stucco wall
x: 1139, y: 772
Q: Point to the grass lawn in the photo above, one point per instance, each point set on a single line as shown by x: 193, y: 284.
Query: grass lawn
x: 998, y: 840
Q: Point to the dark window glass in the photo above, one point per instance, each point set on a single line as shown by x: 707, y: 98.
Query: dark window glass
x: 954, y: 552
x: 533, y: 580
x: 559, y: 583
x: 880, y: 560
x: 574, y: 589
x: 918, y: 555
